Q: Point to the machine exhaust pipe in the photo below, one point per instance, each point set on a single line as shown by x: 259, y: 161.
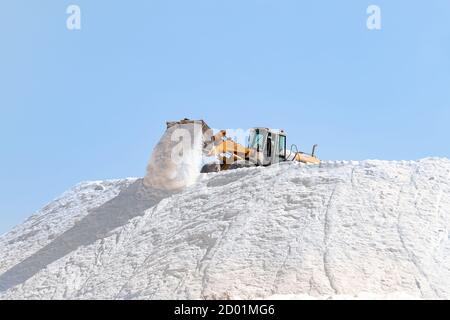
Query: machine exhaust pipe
x: 313, y: 153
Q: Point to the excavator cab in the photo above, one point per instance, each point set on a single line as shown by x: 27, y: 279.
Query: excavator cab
x: 270, y: 145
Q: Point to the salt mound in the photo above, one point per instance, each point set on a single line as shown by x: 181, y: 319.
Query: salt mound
x: 177, y: 158
x: 370, y: 229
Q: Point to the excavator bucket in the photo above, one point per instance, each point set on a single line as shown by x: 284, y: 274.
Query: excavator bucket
x: 205, y: 127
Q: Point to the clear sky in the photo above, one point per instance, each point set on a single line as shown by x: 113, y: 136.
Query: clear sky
x: 90, y: 104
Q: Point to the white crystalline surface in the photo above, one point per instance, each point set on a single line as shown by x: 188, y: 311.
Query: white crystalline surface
x: 54, y: 219
x: 342, y: 230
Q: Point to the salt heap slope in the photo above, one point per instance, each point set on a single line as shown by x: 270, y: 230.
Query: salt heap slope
x: 338, y: 229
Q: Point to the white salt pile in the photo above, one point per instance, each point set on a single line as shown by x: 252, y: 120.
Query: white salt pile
x: 340, y: 230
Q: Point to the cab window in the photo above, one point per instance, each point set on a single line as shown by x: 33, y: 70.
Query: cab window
x: 282, y: 146
x: 256, y: 140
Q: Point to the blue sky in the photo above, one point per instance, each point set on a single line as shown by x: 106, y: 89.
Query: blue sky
x: 91, y: 104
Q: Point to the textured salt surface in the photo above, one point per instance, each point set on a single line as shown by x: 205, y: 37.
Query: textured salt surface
x: 375, y: 229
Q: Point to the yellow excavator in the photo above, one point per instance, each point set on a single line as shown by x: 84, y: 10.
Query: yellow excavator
x: 264, y: 147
